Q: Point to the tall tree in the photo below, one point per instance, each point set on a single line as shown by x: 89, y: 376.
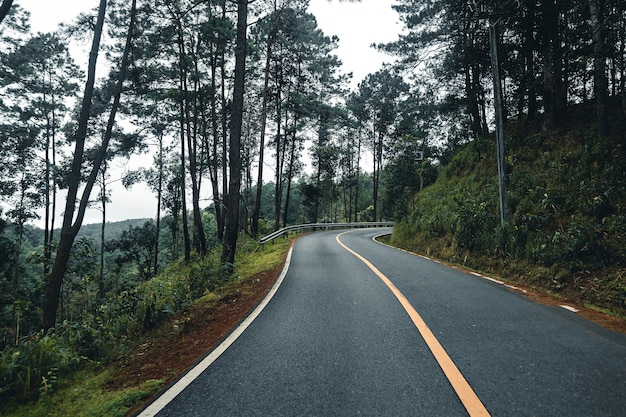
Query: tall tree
x: 271, y: 31
x: 231, y: 226
x: 183, y: 118
x: 37, y: 75
x: 48, y: 82
x: 600, y: 82
x: 71, y: 224
x: 303, y: 68
x: 218, y: 40
x: 378, y: 104
x: 553, y: 89
x: 69, y: 231
x: 527, y: 81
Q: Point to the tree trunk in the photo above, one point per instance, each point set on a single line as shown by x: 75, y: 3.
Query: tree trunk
x: 174, y: 229
x: 472, y: 84
x: 358, y: 179
x: 68, y: 233
x: 155, y: 267
x: 529, y: 63
x: 292, y: 155
x: 103, y: 199
x: 622, y: 69
x: 214, y: 160
x: 231, y: 230
x: 280, y: 156
x: 472, y: 103
x: 19, y: 229
x: 186, y: 240
x: 378, y: 157
x: 552, y: 73
x: 224, y: 120
x: 47, y: 234
x: 259, y: 188
x: 599, y: 66
x: 499, y: 111
x: 182, y: 121
x: 5, y: 7
x: 192, y: 144
x: 318, y: 187
x: 561, y: 60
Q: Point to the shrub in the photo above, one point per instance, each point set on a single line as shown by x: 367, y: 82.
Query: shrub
x: 31, y: 368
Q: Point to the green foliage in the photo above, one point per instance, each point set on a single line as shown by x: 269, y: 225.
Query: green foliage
x: 30, y: 369
x: 180, y: 284
x: 573, y: 209
x: 84, y: 394
x: 34, y: 369
x: 118, y: 403
x: 136, y: 246
x: 151, y: 301
x: 567, y: 203
x: 255, y: 259
x: 52, y: 372
x: 82, y: 339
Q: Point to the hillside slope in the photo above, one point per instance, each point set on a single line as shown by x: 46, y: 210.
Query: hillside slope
x: 567, y: 203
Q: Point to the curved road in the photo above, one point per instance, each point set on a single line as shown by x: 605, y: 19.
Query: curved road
x: 358, y: 328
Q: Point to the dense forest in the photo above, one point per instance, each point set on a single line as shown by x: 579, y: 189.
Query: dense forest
x: 230, y: 98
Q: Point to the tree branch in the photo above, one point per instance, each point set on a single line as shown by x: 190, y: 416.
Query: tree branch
x: 4, y: 9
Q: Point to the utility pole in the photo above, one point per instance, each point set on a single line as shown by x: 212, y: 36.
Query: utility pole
x: 494, y: 12
x: 497, y: 102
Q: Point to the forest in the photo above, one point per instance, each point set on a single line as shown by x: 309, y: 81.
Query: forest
x: 233, y: 99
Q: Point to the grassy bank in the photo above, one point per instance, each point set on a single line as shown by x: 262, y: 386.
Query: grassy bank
x: 137, y: 362
x: 567, y: 203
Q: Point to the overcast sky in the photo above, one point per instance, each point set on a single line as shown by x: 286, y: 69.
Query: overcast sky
x: 357, y: 25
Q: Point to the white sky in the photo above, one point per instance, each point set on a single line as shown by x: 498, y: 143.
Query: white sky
x: 47, y: 14
x: 357, y: 25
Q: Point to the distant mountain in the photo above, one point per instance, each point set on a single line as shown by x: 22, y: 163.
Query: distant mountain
x: 112, y: 230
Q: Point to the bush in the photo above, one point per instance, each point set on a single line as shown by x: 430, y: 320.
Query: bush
x: 31, y: 369
x: 82, y: 339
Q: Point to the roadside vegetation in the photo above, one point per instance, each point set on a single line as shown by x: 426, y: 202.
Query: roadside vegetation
x: 83, y: 368
x: 567, y: 201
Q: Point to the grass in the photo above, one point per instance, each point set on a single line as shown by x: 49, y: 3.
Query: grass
x: 83, y: 394
x: 265, y: 258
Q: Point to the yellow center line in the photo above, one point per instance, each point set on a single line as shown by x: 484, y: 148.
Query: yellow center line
x: 466, y: 394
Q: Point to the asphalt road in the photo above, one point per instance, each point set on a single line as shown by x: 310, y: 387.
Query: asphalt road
x: 336, y: 341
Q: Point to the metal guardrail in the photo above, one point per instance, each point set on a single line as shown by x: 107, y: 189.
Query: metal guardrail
x: 325, y: 226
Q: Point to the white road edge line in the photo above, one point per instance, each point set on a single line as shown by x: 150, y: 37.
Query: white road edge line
x: 193, y: 373
x: 497, y: 281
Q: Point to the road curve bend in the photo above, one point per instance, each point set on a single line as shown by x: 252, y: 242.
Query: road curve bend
x: 339, y: 339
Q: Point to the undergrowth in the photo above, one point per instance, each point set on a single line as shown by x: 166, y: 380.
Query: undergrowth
x: 65, y: 371
x: 82, y: 394
x: 567, y: 203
